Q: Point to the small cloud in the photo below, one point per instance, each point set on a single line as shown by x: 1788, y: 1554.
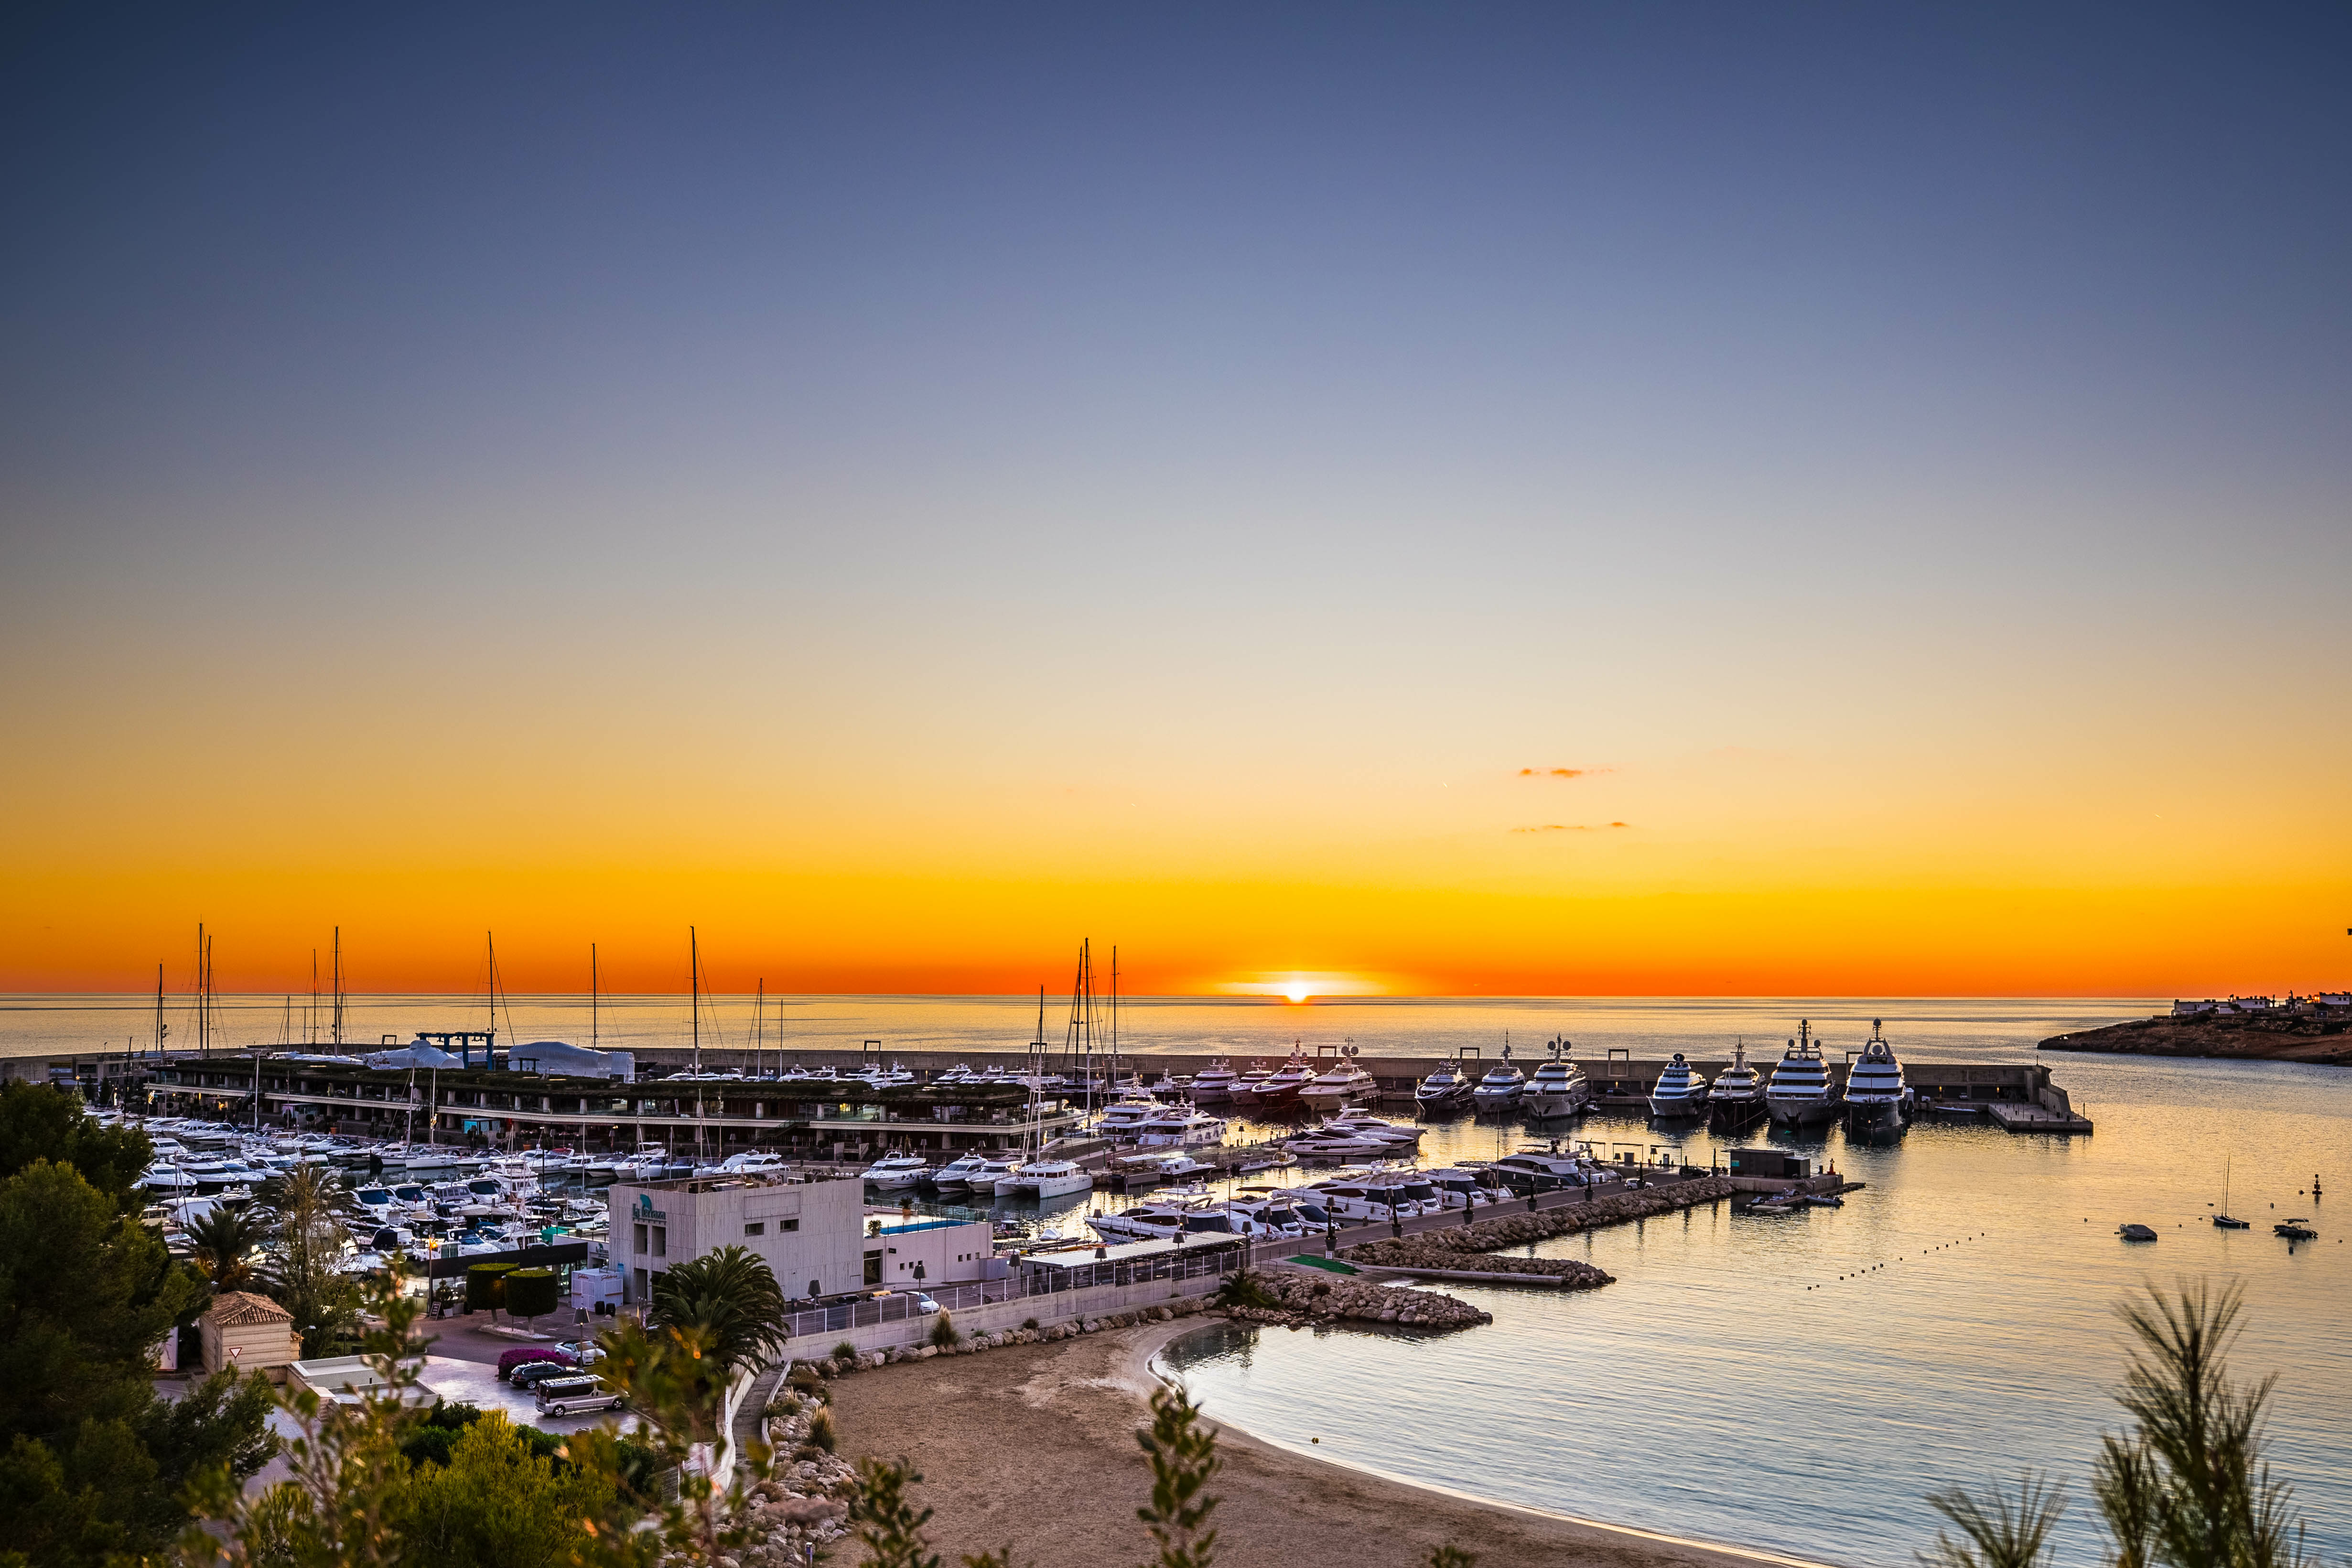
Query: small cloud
x: 1557, y: 827
x: 1559, y: 773
x: 1621, y: 824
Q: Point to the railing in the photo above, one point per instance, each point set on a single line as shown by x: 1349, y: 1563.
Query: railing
x: 1035, y: 1281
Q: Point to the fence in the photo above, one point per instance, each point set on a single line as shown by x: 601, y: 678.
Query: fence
x: 1036, y: 1280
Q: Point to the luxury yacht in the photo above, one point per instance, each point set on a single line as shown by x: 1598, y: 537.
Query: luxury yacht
x: 1046, y: 1179
x: 1799, y: 1094
x: 1875, y: 1092
x: 958, y: 1172
x: 1460, y: 1187
x: 1447, y: 1088
x: 1500, y: 1088
x: 1123, y: 1120
x: 1343, y: 1084
x: 1737, y: 1096
x: 1398, y: 1135
x: 1213, y: 1085
x: 1680, y: 1091
x: 1280, y: 1088
x: 1181, y: 1127
x: 984, y: 1176
x: 898, y: 1169
x: 1543, y: 1169
x: 1557, y: 1088
x: 1378, y: 1197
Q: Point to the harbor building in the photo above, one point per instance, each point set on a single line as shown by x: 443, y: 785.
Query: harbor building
x: 820, y: 1237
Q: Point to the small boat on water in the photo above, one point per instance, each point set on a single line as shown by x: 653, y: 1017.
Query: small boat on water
x: 2223, y: 1219
x: 898, y: 1169
x: 2294, y: 1230
x: 1213, y: 1085
x: 2135, y: 1232
x: 1679, y: 1092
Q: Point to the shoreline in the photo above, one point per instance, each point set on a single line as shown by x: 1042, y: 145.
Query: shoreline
x: 990, y: 1432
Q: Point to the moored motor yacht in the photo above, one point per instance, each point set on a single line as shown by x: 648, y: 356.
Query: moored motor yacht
x: 1214, y: 1084
x: 1379, y: 1196
x: 1447, y: 1088
x: 1800, y: 1093
x: 1461, y: 1187
x: 984, y: 1176
x: 898, y: 1169
x: 1680, y: 1091
x: 1736, y: 1096
x: 958, y: 1172
x: 1342, y: 1085
x: 1122, y: 1121
x: 1181, y: 1127
x: 1538, y: 1168
x: 1364, y: 1124
x: 1044, y: 1179
x: 1875, y: 1095
x: 1558, y: 1088
x: 1279, y: 1088
x: 1500, y: 1088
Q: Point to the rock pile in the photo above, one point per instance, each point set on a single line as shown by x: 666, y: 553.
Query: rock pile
x: 1438, y: 1251
x: 803, y: 1501
x: 1519, y: 1229
x: 1320, y: 1298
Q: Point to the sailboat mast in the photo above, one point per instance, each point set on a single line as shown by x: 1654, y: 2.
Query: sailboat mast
x: 593, y: 1036
x: 203, y: 1035
x: 759, y: 1024
x: 159, y: 1009
x: 310, y: 1019
x: 694, y: 994
x: 1114, y: 1015
x: 337, y: 1025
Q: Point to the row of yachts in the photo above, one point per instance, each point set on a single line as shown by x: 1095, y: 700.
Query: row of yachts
x: 1798, y: 1092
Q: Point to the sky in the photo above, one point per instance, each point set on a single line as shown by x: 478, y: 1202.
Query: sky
x: 1484, y: 499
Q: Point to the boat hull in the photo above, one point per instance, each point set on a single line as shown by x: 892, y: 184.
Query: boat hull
x: 1804, y: 1113
x: 1544, y: 1107
x: 1681, y: 1108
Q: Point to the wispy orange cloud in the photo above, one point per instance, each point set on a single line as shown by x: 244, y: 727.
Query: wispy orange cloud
x: 1560, y: 772
x: 1567, y: 828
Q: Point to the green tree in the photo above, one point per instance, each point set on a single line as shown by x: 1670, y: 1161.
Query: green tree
x: 2187, y: 1486
x: 730, y: 1299
x: 1184, y: 1455
x: 91, y: 1462
x: 530, y: 1293
x: 42, y: 1121
x: 498, y: 1503
x: 886, y: 1520
x: 223, y: 1243
x: 300, y: 1272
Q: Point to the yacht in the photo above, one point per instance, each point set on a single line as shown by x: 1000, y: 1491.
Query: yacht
x: 1557, y: 1088
x: 1799, y: 1094
x: 1500, y: 1088
x: 1277, y: 1212
x: 1166, y: 1168
x: 1541, y: 1169
x: 958, y: 1172
x: 1280, y: 1088
x: 1343, y: 1084
x: 898, y: 1169
x: 1213, y: 1085
x: 984, y: 1176
x: 1737, y: 1096
x: 1447, y: 1088
x: 1180, y: 1127
x: 1122, y: 1121
x: 1325, y: 1144
x: 1460, y: 1187
x: 1378, y: 1197
x: 1046, y: 1179
x: 1875, y: 1092
x: 1364, y: 1124
x: 1680, y: 1091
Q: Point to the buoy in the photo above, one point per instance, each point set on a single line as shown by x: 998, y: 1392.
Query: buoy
x: 1315, y: 1439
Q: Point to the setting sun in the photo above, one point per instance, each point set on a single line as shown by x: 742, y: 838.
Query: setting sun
x: 1296, y: 993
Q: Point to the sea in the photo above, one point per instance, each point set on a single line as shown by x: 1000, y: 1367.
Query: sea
x: 1796, y: 1384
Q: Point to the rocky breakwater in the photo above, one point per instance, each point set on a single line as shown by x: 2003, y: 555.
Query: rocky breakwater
x: 1464, y: 1249
x: 1296, y: 1297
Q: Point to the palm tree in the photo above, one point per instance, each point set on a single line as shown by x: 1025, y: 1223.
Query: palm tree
x: 301, y: 1272
x: 223, y: 1243
x: 730, y: 1300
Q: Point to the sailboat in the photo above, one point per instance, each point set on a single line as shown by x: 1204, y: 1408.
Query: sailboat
x: 1041, y: 1179
x: 2222, y: 1220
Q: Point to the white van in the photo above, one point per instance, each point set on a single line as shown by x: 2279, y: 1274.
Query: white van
x: 569, y: 1395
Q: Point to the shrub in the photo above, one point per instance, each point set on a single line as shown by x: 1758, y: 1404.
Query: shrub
x: 1243, y: 1290
x: 805, y: 1378
x: 1030, y: 1324
x: 485, y: 1286
x: 531, y: 1292
x: 845, y: 1351
x: 821, y: 1434
x: 943, y: 1332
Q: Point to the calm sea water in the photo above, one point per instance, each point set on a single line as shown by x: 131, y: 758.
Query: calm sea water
x: 1796, y: 1382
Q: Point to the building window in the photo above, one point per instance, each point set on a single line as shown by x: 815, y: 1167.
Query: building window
x: 788, y: 1225
x: 757, y: 1227
x: 639, y: 1238
x: 641, y: 1288
x: 661, y: 1241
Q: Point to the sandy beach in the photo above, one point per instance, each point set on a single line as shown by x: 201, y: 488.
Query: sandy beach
x: 1033, y: 1446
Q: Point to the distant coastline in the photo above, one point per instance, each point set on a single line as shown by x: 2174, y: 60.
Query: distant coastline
x: 2280, y: 1038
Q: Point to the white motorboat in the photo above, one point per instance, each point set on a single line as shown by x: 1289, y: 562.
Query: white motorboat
x: 1046, y: 1179
x: 1543, y: 1169
x: 1122, y: 1121
x: 1800, y: 1093
x: 1500, y: 1088
x: 1214, y: 1084
x: 1279, y: 1088
x: 1364, y: 1124
x: 985, y: 1176
x: 1180, y: 1127
x: 1875, y: 1095
x: 1167, y: 1168
x: 1460, y: 1187
x: 1447, y: 1088
x: 898, y: 1169
x: 958, y: 1172
x: 1342, y: 1085
x: 1679, y: 1092
x: 1379, y: 1196
x: 757, y: 1163
x: 1558, y: 1088
x: 1736, y: 1096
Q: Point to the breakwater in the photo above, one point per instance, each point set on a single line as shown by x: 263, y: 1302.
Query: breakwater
x: 1301, y: 1297
x: 1468, y: 1248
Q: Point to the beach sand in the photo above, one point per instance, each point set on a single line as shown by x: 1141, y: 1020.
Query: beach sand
x: 1035, y: 1446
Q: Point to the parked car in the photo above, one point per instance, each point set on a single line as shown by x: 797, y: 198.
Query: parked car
x: 922, y: 1303
x: 526, y: 1355
x: 532, y: 1373
x: 583, y: 1352
x: 569, y: 1395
